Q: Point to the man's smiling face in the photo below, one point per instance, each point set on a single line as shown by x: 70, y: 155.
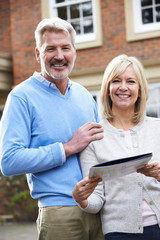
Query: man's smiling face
x: 56, y: 56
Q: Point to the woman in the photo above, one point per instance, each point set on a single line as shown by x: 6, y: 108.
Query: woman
x: 130, y: 205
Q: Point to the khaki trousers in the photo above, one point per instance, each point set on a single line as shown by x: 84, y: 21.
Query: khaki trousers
x: 68, y: 223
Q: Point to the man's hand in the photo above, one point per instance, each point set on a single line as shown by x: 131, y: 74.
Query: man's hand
x: 84, y: 189
x: 151, y: 170
x: 87, y: 133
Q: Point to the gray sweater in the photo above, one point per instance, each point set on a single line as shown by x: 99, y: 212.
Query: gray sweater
x: 121, y: 198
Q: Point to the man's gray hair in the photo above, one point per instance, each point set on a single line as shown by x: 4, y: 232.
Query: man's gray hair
x: 53, y: 24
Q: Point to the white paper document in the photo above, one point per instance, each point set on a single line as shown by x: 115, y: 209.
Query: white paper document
x: 119, y: 167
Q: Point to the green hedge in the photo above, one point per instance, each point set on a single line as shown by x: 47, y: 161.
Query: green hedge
x: 16, y: 200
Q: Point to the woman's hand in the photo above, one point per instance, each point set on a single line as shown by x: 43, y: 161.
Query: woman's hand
x: 84, y: 189
x: 151, y: 170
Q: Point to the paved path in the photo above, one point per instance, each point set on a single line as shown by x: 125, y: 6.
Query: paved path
x: 18, y: 231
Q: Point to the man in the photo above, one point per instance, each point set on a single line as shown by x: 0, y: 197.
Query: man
x: 47, y: 120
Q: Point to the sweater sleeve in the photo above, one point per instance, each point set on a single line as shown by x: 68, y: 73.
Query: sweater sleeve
x: 16, y: 155
x: 97, y: 198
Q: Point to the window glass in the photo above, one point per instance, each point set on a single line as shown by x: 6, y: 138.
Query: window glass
x: 62, y: 13
x: 146, y: 3
x: 60, y: 1
x: 77, y: 27
x: 147, y: 15
x: 75, y: 11
x: 158, y: 14
x: 88, y: 26
x: 87, y: 9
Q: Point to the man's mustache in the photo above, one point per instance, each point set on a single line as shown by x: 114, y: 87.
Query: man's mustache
x: 59, y: 63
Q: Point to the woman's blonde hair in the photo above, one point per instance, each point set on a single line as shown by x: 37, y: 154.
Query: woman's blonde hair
x: 117, y: 66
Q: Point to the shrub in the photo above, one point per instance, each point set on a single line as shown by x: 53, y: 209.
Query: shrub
x: 16, y: 199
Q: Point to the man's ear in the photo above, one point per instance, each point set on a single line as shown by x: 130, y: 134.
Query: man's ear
x: 75, y: 52
x: 37, y: 53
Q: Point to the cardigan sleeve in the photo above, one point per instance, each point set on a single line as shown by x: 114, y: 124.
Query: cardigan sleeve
x: 97, y: 198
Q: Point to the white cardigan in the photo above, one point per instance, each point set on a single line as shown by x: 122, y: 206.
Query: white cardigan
x: 121, y: 198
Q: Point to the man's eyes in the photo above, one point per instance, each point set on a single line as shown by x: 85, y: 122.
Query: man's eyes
x: 50, y: 49
x: 54, y: 49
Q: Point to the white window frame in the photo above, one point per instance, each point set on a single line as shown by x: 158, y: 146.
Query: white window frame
x: 154, y: 103
x: 90, y: 40
x: 97, y: 94
x: 82, y: 37
x: 131, y: 17
x: 139, y: 27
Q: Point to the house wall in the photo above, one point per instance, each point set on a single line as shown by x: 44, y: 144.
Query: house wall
x: 6, y: 80
x: 20, y: 18
x: 5, y: 37
x: 25, y: 16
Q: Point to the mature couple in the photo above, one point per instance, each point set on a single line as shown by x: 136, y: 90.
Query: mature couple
x: 48, y: 120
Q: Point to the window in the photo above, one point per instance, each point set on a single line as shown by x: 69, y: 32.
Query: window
x: 97, y: 97
x: 142, y: 19
x: 79, y: 14
x: 153, y: 104
x: 1, y: 110
x: 146, y: 15
x: 84, y: 15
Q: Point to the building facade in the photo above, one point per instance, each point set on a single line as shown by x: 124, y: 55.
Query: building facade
x: 104, y: 29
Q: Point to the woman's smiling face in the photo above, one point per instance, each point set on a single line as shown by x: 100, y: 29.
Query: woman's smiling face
x: 124, y: 90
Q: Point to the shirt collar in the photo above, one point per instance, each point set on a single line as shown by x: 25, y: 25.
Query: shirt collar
x: 49, y: 84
